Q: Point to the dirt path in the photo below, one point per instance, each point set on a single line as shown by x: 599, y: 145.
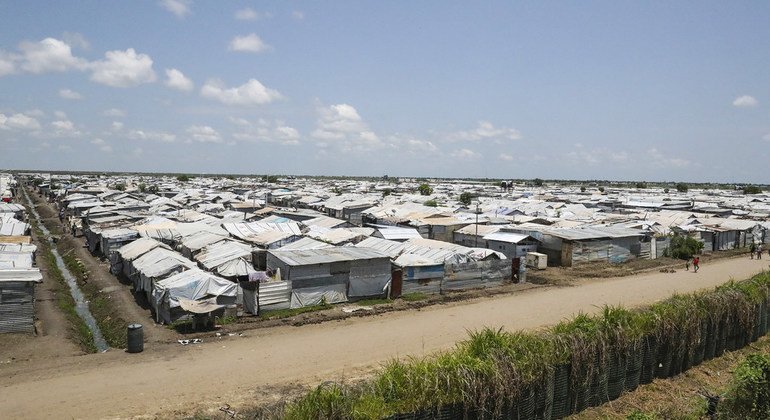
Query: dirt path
x: 170, y: 380
x: 120, y: 296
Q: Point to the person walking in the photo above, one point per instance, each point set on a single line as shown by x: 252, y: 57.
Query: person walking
x: 687, y: 264
x: 696, y: 263
x: 759, y: 251
x: 752, y: 249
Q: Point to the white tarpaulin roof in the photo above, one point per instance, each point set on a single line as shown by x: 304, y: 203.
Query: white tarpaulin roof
x: 160, y: 261
x: 139, y: 247
x: 194, y: 284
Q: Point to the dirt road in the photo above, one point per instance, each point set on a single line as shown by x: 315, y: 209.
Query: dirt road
x: 168, y: 379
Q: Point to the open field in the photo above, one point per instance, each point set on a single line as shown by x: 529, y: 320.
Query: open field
x: 169, y: 379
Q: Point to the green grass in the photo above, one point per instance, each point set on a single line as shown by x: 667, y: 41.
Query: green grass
x: 372, y: 302
x: 287, y: 313
x: 414, y: 296
x: 79, y: 331
x: 111, y: 324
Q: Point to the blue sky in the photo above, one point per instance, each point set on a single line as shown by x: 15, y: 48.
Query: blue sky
x: 581, y: 90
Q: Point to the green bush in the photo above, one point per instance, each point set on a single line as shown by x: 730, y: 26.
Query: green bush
x: 466, y: 198
x: 425, y: 189
x: 431, y: 203
x: 682, y: 187
x: 749, y: 394
x: 683, y: 247
x: 751, y: 189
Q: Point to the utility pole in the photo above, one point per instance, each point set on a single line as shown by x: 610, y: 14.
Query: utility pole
x: 477, y: 224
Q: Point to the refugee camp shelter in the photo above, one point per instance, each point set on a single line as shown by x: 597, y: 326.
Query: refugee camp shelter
x: 17, y: 299
x: 333, y: 274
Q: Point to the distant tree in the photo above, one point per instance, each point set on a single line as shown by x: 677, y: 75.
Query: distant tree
x: 120, y: 186
x: 153, y: 189
x: 641, y: 185
x: 183, y: 178
x: 601, y: 189
x: 270, y: 179
x: 538, y: 182
x: 142, y: 187
x: 751, y: 189
x: 682, y: 187
x: 425, y: 189
x: 386, y: 192
x: 665, y: 190
x: 582, y: 189
x: 431, y: 203
x: 466, y: 198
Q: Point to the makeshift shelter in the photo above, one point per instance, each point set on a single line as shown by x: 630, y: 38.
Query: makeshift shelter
x: 17, y: 299
x: 331, y: 274
x: 191, y: 291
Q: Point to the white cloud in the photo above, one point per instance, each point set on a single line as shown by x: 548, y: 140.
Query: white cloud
x: 102, y: 145
x: 266, y: 131
x: 506, y: 157
x: 342, y: 125
x: 251, y: 14
x: 7, y: 64
x: 60, y: 115
x: 19, y: 122
x: 298, y: 15
x: 177, y: 80
x: 204, y: 134
x: 659, y: 159
x: 250, y: 93
x: 152, y: 136
x: 248, y: 43
x: 70, y: 94
x: 114, y: 112
x: 123, y: 69
x: 596, y: 156
x: 116, y: 126
x: 76, y: 40
x: 64, y: 128
x: 486, y: 130
x: 745, y: 101
x: 49, y: 55
x: 465, y: 154
x: 180, y: 8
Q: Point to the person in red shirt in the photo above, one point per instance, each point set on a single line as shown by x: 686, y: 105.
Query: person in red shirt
x: 696, y: 263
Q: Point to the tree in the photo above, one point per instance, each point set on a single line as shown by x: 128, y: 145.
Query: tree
x: 751, y: 189
x: 120, y: 186
x: 183, y: 178
x: 466, y: 198
x: 431, y: 203
x: 425, y: 189
x: 582, y: 189
x: 386, y: 192
x: 538, y: 182
x: 270, y: 179
x: 683, y: 247
x: 641, y: 185
x: 601, y: 189
x: 665, y: 190
x: 682, y: 187
x: 142, y: 187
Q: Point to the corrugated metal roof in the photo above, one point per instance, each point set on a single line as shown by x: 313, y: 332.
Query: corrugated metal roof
x: 508, y: 237
x: 21, y: 274
x: 305, y: 243
x: 326, y: 255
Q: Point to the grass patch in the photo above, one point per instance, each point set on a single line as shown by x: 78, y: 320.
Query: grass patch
x: 414, y: 296
x: 111, y: 324
x: 79, y: 331
x: 372, y: 302
x: 287, y: 313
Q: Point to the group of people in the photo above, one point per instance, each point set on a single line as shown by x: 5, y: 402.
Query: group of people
x: 756, y: 249
x: 695, y: 264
